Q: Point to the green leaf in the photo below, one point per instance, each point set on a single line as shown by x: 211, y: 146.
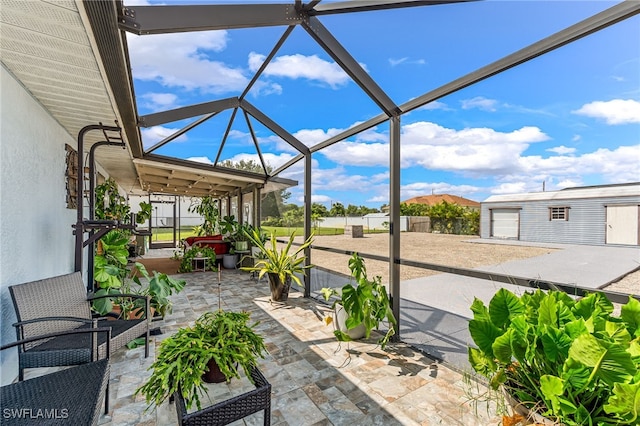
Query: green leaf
x: 503, y: 306
x: 555, y: 344
x: 630, y: 314
x: 481, y: 363
x: 617, y: 332
x: 552, y: 388
x: 547, y: 314
x: 608, y: 361
x: 484, y: 333
x: 519, y: 338
x: 576, y: 328
x: 502, y: 347
x: 576, y: 374
x: 479, y: 310
x: 624, y: 403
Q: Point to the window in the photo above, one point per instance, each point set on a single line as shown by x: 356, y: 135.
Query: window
x: 558, y: 213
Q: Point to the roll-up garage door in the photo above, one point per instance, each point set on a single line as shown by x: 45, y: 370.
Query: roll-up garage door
x: 505, y: 223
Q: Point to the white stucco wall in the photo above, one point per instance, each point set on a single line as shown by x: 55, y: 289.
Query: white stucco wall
x: 35, y: 225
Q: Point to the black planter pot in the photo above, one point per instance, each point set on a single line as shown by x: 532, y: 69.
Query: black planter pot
x: 213, y: 374
x: 279, y: 289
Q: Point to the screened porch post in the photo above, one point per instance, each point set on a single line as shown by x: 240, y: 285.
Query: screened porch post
x: 394, y: 219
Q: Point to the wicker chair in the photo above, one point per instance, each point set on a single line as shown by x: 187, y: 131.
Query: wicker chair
x: 70, y: 396
x: 60, y: 304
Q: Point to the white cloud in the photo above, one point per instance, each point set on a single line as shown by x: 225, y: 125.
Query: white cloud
x: 511, y: 188
x: 616, y: 111
x: 153, y: 135
x: 205, y: 160
x: 159, y: 101
x: 472, y: 150
x: 480, y: 102
x: 395, y: 62
x: 318, y: 198
x: 273, y: 160
x: 617, y: 165
x: 300, y: 66
x: 179, y: 60
x: 435, y: 105
x: 576, y: 138
x: 312, y: 137
x: 562, y: 150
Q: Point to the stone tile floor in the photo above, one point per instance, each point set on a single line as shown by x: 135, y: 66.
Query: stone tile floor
x: 315, y: 379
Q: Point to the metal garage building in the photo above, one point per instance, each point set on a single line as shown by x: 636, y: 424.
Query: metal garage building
x: 606, y: 214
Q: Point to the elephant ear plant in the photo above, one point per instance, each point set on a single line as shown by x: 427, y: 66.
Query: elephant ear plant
x: 570, y: 360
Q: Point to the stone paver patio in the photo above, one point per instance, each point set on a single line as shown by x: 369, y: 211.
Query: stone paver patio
x: 315, y: 379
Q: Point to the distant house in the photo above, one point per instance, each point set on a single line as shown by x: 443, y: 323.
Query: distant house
x: 433, y: 199
x: 597, y: 215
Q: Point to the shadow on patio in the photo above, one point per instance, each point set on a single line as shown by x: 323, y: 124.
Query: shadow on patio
x: 315, y: 379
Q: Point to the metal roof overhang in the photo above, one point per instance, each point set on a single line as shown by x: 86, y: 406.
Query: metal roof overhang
x: 71, y: 56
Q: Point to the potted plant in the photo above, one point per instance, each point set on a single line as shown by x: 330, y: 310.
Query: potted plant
x: 208, y: 208
x: 359, y: 309
x: 158, y: 287
x: 280, y: 265
x: 240, y: 237
x: 569, y: 360
x: 183, y: 358
x: 186, y: 262
x: 110, y: 262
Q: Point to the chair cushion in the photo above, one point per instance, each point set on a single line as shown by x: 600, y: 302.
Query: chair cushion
x: 71, y: 396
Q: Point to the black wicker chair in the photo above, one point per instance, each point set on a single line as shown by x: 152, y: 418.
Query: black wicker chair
x: 60, y: 304
x: 70, y: 396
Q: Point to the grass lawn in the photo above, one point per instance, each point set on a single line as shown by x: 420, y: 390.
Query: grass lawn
x: 167, y: 235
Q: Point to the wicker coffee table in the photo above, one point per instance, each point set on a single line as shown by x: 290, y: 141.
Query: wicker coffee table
x: 232, y: 409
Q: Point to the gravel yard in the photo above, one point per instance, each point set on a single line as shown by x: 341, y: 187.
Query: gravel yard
x: 442, y: 249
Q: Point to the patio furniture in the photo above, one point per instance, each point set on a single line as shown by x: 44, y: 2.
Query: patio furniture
x: 70, y: 396
x: 232, y: 409
x: 59, y: 304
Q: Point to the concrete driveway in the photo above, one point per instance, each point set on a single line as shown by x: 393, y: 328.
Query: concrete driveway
x: 435, y: 309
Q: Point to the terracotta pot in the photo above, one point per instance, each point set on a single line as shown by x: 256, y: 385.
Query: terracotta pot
x: 135, y: 314
x: 279, y: 289
x: 213, y: 373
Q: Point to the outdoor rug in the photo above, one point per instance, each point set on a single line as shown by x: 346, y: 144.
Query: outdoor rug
x: 161, y: 265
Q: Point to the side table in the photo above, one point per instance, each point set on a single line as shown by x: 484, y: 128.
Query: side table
x: 232, y: 409
x: 199, y: 261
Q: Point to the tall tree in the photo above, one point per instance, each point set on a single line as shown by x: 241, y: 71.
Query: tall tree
x: 337, y: 209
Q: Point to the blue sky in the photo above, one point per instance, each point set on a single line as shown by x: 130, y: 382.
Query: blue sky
x: 568, y: 118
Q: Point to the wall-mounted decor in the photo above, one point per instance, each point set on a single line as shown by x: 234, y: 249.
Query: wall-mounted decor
x: 71, y: 174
